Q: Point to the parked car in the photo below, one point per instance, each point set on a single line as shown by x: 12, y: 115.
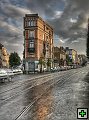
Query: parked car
x: 17, y: 71
x: 68, y: 67
x: 52, y: 70
x: 71, y: 66
x: 37, y: 70
x: 58, y: 69
x: 55, y: 69
x: 9, y: 73
x: 62, y: 68
x: 5, y: 74
x: 65, y: 67
x: 74, y: 66
x: 45, y: 69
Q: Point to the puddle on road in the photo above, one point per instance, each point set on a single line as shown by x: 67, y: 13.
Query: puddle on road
x: 42, y: 108
x: 58, y: 103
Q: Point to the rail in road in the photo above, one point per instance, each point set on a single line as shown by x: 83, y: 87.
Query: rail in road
x: 20, y: 83
x: 30, y: 82
x: 51, y: 78
x: 28, y: 107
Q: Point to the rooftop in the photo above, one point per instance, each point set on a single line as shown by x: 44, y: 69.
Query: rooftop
x: 36, y: 15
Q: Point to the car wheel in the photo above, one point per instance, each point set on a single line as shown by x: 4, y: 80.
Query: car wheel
x: 2, y: 80
x: 9, y: 79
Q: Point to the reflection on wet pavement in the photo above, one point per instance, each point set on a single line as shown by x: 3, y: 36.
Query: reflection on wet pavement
x: 42, y: 108
x: 61, y: 102
x: 55, y: 99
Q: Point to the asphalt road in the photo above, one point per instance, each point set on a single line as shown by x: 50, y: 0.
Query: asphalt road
x: 54, y: 96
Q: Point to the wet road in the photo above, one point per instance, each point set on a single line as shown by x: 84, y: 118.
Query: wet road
x: 54, y: 96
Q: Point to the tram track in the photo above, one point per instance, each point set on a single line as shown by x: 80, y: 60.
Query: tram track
x: 28, y: 107
x: 22, y: 99
x: 32, y: 80
x: 22, y: 91
x: 20, y: 82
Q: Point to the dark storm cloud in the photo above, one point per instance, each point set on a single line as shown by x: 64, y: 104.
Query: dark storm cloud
x: 68, y: 18
x: 11, y: 25
x: 75, y: 9
x: 46, y: 7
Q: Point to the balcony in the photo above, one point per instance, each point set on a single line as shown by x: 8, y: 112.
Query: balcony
x: 31, y: 50
x: 31, y: 39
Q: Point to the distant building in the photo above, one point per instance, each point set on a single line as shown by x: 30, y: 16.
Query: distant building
x: 59, y: 56
x: 4, y: 57
x: 62, y: 53
x: 82, y: 59
x: 72, y: 55
x: 38, y: 42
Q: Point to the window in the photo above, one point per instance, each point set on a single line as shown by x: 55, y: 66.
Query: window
x: 31, y: 48
x: 32, y: 23
x: 51, y: 41
x: 32, y: 34
x: 29, y: 23
x: 43, y: 36
x: 31, y: 45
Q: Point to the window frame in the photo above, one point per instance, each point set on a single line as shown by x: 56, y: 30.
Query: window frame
x: 31, y: 45
x: 32, y: 34
x: 31, y: 23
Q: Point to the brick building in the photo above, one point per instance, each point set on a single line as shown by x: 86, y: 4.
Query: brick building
x: 59, y: 56
x: 38, y: 42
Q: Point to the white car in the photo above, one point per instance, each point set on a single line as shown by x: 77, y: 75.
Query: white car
x: 62, y: 68
x: 58, y: 69
x: 9, y: 72
x: 45, y: 69
x: 17, y: 71
x: 4, y: 75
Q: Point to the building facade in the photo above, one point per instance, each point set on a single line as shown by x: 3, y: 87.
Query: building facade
x: 72, y: 55
x: 38, y: 42
x: 4, y: 57
x: 59, y: 56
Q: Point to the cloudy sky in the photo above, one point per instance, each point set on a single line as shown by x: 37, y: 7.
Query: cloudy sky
x: 67, y: 17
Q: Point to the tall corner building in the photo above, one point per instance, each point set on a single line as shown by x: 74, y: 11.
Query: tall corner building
x: 38, y: 42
